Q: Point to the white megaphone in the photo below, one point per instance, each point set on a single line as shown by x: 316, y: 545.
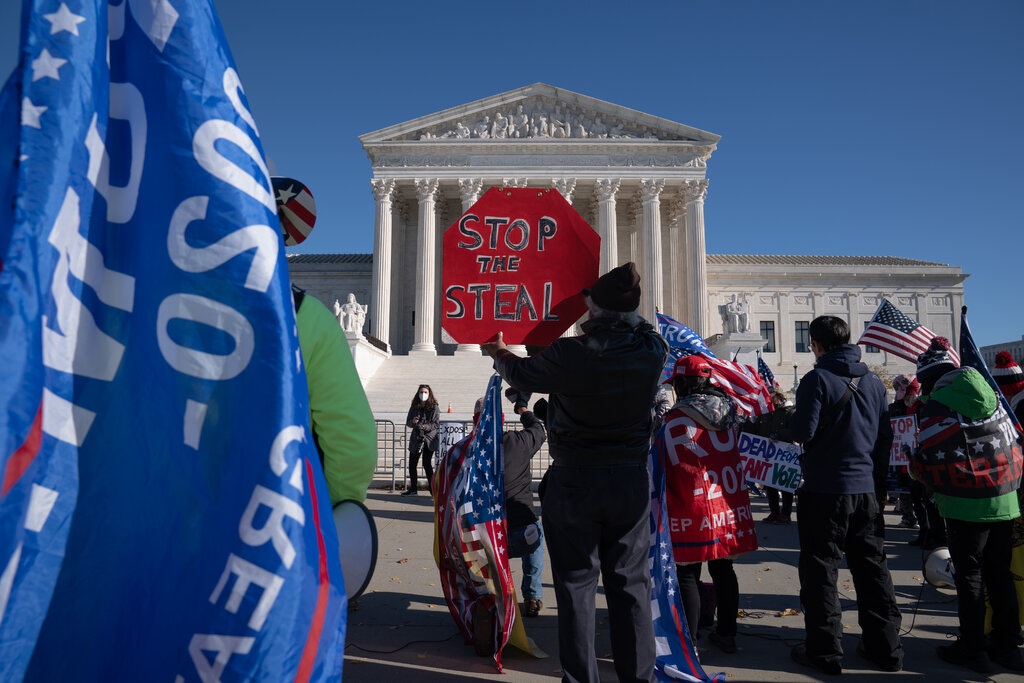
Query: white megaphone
x: 357, y: 545
x: 938, y: 568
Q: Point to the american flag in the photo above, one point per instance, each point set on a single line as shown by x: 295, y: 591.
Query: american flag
x: 471, y: 529
x: 675, y: 658
x: 765, y: 372
x: 971, y: 357
x: 892, y: 330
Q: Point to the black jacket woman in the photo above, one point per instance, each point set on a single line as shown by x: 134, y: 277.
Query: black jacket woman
x: 423, y: 420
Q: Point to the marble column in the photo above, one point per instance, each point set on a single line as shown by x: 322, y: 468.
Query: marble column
x: 653, y: 299
x: 426, y: 267
x: 675, y: 264
x: 605, y: 190
x: 566, y: 187
x: 380, y: 281
x: 469, y: 193
x: 695, y: 192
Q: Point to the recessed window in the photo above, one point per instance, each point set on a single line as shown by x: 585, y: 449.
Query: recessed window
x: 768, y: 332
x: 802, y: 333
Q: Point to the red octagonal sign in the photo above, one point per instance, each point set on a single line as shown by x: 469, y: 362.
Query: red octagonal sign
x: 516, y: 262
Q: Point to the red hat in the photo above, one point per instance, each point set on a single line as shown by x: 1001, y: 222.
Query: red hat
x: 1008, y: 375
x: 905, y: 384
x: 694, y: 365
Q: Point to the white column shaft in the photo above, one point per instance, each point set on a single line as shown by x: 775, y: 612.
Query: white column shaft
x: 380, y: 282
x: 653, y: 299
x: 426, y: 267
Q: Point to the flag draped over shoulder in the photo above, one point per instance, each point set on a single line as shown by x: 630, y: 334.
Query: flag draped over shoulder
x: 970, y: 356
x: 892, y: 330
x: 740, y: 381
x: 147, y: 338
x: 471, y: 531
x: 676, y: 659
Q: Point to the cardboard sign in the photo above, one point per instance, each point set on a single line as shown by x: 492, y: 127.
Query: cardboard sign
x: 904, y: 436
x: 516, y: 262
x: 448, y: 434
x: 771, y: 463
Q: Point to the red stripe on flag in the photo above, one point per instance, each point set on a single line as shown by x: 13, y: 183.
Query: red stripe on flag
x: 26, y: 453
x: 316, y: 628
x: 301, y: 211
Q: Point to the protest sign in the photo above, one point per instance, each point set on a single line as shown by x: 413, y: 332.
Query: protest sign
x: 904, y: 437
x: 771, y: 463
x: 516, y: 261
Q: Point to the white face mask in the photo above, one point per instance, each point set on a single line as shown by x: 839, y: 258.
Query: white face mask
x: 424, y: 396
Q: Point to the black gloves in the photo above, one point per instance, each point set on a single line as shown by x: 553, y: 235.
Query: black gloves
x: 520, y: 399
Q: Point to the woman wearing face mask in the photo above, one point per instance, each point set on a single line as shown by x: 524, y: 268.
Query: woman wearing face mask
x: 423, y: 419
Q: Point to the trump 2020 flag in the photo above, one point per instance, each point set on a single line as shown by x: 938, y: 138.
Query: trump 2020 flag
x: 675, y: 658
x: 682, y: 341
x: 740, y: 381
x: 471, y: 531
x: 143, y: 270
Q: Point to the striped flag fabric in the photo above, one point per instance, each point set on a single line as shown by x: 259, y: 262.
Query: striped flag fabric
x: 970, y: 354
x: 766, y: 372
x: 471, y: 530
x: 890, y: 329
x: 675, y: 658
x: 163, y: 513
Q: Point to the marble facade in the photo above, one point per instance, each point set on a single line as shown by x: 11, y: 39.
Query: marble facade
x: 641, y: 182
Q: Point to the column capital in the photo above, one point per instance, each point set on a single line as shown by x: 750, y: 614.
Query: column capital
x: 469, y: 190
x: 605, y: 189
x: 383, y: 188
x: 651, y: 188
x: 426, y: 189
x: 694, y: 190
x: 565, y: 186
x: 514, y: 182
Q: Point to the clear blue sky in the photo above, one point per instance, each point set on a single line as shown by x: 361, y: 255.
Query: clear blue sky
x: 867, y: 127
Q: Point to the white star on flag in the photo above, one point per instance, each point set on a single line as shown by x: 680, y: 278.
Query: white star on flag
x: 63, y: 20
x: 46, y: 66
x: 30, y: 113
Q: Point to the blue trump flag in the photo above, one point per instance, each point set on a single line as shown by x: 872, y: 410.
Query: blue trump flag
x: 682, y: 341
x: 970, y: 356
x: 143, y: 268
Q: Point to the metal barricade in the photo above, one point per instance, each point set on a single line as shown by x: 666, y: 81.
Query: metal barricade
x: 391, y: 452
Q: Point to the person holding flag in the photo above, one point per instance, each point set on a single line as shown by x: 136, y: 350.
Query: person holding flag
x: 596, y: 504
x: 699, y: 444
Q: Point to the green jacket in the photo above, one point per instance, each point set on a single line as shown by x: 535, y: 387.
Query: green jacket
x: 341, y: 418
x: 968, y: 454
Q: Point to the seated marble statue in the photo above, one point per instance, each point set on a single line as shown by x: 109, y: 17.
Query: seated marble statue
x: 737, y: 315
x: 353, y: 315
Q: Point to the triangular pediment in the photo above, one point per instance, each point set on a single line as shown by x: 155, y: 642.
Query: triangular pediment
x: 539, y: 113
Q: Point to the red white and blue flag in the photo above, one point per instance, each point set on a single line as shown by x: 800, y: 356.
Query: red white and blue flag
x: 739, y: 381
x: 162, y: 512
x: 890, y: 329
x: 766, y: 372
x: 675, y: 658
x: 472, y: 552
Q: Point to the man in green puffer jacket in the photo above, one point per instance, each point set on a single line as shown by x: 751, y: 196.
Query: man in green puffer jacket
x: 969, y: 457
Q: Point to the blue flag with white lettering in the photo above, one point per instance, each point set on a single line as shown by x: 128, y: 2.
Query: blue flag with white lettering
x: 682, y: 341
x: 143, y: 275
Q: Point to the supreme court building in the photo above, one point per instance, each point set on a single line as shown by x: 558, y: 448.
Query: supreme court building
x: 641, y: 181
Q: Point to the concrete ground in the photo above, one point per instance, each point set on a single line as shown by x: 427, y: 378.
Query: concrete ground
x: 400, y: 628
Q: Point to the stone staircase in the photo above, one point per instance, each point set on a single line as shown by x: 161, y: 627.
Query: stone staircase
x: 458, y: 380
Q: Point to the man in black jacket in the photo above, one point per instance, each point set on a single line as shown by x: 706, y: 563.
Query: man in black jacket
x: 596, y: 505
x: 842, y: 420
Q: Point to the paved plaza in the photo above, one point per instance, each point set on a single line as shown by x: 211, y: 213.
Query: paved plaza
x: 400, y: 628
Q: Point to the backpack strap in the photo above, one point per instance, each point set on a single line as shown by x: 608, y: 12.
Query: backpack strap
x: 851, y: 387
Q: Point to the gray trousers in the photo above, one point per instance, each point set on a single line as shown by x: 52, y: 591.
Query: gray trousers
x: 596, y: 521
